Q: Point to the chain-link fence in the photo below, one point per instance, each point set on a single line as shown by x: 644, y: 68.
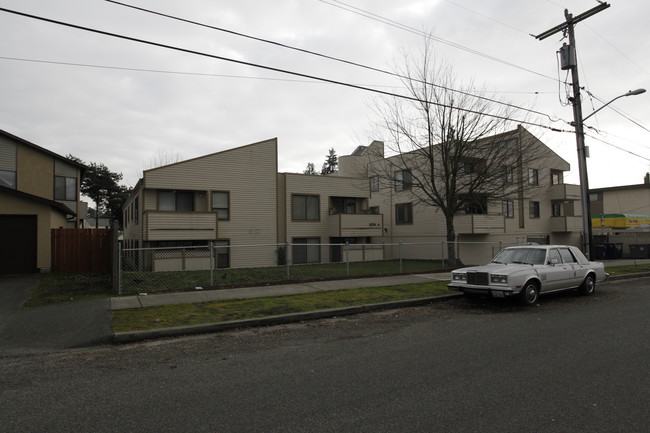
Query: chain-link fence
x: 218, y: 266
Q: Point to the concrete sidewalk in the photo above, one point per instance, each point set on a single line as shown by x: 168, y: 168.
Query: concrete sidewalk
x: 138, y: 301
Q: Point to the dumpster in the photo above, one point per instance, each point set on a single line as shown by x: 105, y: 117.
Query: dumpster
x: 640, y: 251
x: 601, y: 252
x: 613, y: 251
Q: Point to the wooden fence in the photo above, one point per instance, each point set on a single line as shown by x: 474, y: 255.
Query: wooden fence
x: 82, y: 250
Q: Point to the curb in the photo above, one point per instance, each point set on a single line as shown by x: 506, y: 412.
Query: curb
x: 206, y: 328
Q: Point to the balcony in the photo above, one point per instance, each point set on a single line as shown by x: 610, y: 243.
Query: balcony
x: 564, y: 192
x: 170, y: 226
x: 479, y: 224
x: 355, y: 225
x: 566, y: 224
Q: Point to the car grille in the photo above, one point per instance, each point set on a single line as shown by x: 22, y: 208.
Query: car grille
x: 478, y: 278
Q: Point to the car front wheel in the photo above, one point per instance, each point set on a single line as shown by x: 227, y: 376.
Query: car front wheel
x: 529, y: 294
x: 588, y: 286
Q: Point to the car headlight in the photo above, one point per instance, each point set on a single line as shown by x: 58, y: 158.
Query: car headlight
x: 459, y: 277
x: 499, y: 279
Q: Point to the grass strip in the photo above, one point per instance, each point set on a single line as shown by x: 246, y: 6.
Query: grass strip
x: 238, y: 309
x: 625, y: 270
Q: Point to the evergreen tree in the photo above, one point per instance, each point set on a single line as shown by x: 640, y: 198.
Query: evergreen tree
x: 331, y: 164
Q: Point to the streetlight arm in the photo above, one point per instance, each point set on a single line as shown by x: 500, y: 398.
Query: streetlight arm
x: 630, y: 93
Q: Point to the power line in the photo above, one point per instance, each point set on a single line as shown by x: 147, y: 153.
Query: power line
x: 265, y: 67
x: 325, y: 56
x: 488, y: 17
x: 396, y: 24
x: 617, y: 147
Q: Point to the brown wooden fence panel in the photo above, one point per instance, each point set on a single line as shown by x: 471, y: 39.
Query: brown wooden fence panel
x: 81, y: 250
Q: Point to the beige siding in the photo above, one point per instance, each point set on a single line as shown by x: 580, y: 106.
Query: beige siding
x: 633, y: 201
x: 180, y: 226
x: 7, y: 154
x: 324, y: 187
x: 35, y: 172
x: 248, y: 174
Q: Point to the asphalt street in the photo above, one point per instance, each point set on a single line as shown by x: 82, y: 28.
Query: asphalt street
x: 571, y: 364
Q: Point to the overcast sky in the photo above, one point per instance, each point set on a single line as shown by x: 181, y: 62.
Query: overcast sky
x: 121, y: 103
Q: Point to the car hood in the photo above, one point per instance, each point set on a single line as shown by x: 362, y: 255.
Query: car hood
x: 497, y: 268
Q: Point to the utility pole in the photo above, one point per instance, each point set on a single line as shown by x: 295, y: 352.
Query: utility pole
x: 569, y: 61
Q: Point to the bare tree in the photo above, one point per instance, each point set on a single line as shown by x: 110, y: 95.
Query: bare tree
x: 450, y: 149
x: 160, y: 158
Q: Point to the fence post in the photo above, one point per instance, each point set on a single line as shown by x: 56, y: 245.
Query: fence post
x: 442, y: 253
x: 347, y: 258
x: 286, y: 255
x: 211, y: 246
x: 119, y: 268
x: 400, y: 258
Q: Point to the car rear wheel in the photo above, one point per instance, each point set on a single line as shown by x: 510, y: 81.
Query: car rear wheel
x: 588, y: 286
x: 529, y: 294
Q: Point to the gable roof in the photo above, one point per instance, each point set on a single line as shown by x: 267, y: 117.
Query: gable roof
x: 53, y: 204
x: 22, y: 141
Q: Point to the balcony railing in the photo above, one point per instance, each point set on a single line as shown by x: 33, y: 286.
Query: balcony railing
x: 566, y: 224
x: 168, y: 226
x: 479, y: 224
x: 564, y: 192
x: 355, y: 225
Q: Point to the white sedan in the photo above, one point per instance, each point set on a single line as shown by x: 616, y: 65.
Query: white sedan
x: 528, y: 271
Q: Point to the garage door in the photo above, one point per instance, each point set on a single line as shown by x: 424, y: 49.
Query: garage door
x: 18, y: 240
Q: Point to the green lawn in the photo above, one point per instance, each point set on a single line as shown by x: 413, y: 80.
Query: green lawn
x: 57, y: 287
x: 156, y: 282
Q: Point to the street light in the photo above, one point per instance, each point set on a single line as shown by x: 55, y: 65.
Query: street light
x: 630, y: 93
x: 587, y: 244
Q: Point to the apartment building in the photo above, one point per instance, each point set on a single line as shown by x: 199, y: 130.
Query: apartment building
x: 39, y: 190
x: 236, y: 198
x: 542, y: 208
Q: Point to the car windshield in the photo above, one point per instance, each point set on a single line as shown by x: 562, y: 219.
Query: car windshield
x: 530, y: 256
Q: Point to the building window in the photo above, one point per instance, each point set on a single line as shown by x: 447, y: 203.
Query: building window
x: 403, y: 180
x: 509, y: 174
x: 8, y: 178
x: 557, y: 208
x: 404, y: 213
x: 182, y: 201
x: 374, y: 210
x: 136, y: 210
x: 221, y: 204
x: 533, y: 176
x: 65, y: 188
x: 508, y: 208
x: 305, y: 207
x: 557, y: 177
x: 374, y: 183
x: 306, y: 250
x: 534, y: 209
x: 475, y: 205
x: 471, y: 166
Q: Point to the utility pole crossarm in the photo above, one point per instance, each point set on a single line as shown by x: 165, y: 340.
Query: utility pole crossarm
x: 574, y: 20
